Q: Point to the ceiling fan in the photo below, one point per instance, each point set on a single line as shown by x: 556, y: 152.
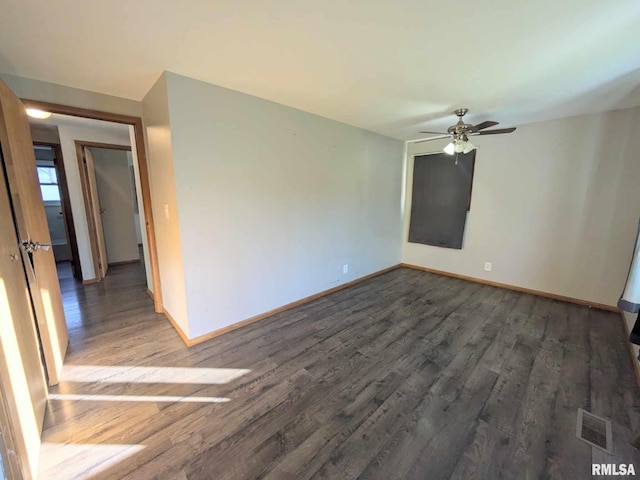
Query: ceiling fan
x: 460, y: 133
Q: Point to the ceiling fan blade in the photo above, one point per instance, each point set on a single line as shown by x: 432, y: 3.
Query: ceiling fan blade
x: 483, y: 125
x: 439, y: 137
x: 495, y: 132
x: 437, y: 133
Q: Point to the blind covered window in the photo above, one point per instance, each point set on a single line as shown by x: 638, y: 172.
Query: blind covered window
x: 441, y: 199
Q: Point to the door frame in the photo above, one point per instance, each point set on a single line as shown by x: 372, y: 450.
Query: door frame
x: 89, y: 202
x: 65, y: 201
x: 145, y: 189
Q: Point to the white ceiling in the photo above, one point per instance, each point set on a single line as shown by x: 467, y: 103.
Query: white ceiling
x: 394, y: 67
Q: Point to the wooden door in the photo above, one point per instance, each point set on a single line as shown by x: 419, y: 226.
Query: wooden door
x: 94, y: 215
x: 22, y: 381
x: 31, y: 221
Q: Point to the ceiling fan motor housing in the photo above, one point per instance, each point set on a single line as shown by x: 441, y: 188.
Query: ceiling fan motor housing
x: 460, y: 128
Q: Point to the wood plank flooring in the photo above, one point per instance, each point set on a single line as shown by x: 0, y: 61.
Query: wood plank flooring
x: 409, y: 375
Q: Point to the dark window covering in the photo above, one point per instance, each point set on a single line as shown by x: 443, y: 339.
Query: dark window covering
x: 441, y: 199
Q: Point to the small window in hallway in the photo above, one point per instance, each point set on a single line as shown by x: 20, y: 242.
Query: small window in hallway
x: 48, y: 179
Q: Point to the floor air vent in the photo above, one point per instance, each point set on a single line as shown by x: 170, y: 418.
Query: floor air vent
x: 594, y: 430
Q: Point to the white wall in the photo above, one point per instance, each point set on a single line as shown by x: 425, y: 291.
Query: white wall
x: 68, y: 136
x: 40, y: 133
x: 274, y: 201
x: 115, y: 193
x: 554, y: 207
x: 141, y: 222
x: 138, y: 229
x: 163, y: 198
x: 136, y: 214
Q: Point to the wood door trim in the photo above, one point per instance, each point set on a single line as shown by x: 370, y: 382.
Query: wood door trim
x: 109, y: 146
x: 67, y: 212
x: 145, y: 188
x: 79, y: 112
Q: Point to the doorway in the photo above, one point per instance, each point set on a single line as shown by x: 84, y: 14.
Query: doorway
x: 111, y: 202
x: 133, y: 126
x: 55, y: 196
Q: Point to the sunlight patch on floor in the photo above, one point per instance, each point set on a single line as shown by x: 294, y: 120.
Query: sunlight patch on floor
x: 81, y: 460
x: 135, y: 398
x: 132, y: 374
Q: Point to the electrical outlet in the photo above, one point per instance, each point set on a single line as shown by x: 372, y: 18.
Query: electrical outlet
x: 487, y: 266
x: 166, y: 210
x: 345, y: 268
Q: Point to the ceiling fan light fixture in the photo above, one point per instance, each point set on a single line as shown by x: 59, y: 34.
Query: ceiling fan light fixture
x: 459, y: 146
x: 469, y: 147
x: 36, y: 113
x: 449, y: 149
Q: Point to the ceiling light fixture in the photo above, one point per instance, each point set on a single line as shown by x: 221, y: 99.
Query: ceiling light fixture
x: 35, y: 113
x: 469, y: 147
x: 450, y: 149
x: 459, y: 145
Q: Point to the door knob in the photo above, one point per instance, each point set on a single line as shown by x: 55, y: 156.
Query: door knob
x: 30, y: 246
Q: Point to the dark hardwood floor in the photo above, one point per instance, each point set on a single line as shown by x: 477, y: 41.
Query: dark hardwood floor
x: 407, y: 375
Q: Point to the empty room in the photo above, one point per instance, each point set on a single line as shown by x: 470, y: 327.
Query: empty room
x: 305, y: 240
